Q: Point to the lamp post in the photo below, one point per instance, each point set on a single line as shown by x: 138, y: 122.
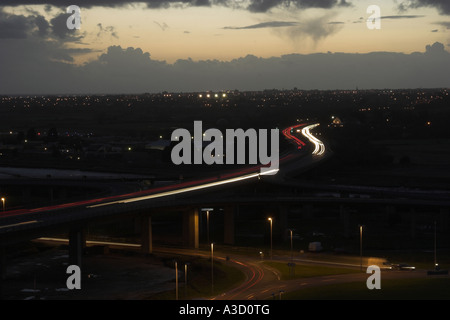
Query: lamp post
x: 292, y: 254
x: 207, y: 211
x: 360, y: 244
x: 3, y: 203
x: 185, y: 279
x: 270, y: 220
x: 207, y: 226
x: 176, y: 280
x: 212, y: 267
x: 435, y: 258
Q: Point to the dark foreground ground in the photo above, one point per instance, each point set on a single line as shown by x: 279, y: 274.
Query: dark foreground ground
x: 42, y: 275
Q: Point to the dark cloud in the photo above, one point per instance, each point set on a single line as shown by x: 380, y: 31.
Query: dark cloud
x: 265, y: 5
x: 316, y: 28
x: 270, y: 24
x: 162, y: 25
x: 17, y: 26
x: 436, y: 48
x: 48, y: 8
x: 43, y: 26
x: 106, y: 30
x: 445, y: 24
x: 443, y: 6
x: 59, y: 3
x: 344, y: 3
x: 254, y: 6
x: 60, y: 30
x: 31, y: 42
x: 35, y: 25
x: 403, y: 17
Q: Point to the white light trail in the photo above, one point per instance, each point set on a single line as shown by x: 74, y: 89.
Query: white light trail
x: 188, y: 189
x: 319, y: 146
x: 92, y: 242
x: 18, y: 224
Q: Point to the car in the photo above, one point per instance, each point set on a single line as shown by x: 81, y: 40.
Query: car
x: 387, y: 266
x: 405, y: 266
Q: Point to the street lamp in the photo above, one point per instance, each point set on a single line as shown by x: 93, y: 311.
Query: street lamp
x: 270, y: 220
x: 3, y: 203
x: 292, y: 254
x: 435, y: 258
x: 207, y: 222
x: 207, y: 226
x: 176, y: 280
x: 185, y: 279
x: 360, y: 244
x: 212, y: 267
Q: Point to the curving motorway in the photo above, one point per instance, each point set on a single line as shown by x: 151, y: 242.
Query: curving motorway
x: 182, y: 187
x: 28, y: 223
x: 319, y: 147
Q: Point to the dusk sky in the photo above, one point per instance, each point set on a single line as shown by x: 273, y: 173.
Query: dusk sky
x: 198, y: 45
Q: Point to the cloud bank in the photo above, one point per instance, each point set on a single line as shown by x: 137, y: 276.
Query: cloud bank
x: 130, y: 70
x: 36, y: 57
x: 251, y: 5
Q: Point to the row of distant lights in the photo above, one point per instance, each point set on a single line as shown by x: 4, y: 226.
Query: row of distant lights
x: 216, y: 95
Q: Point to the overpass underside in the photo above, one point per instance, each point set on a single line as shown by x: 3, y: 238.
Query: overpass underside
x: 195, y: 228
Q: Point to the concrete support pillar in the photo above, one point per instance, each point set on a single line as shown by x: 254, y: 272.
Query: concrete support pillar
x: 76, y: 246
x: 228, y: 234
x: 190, y: 228
x: 146, y: 235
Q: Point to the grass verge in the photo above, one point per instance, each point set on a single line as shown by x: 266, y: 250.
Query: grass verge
x: 306, y: 271
x: 392, y: 289
x: 199, y: 281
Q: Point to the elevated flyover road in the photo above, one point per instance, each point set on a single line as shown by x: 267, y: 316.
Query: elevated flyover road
x: 34, y: 217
